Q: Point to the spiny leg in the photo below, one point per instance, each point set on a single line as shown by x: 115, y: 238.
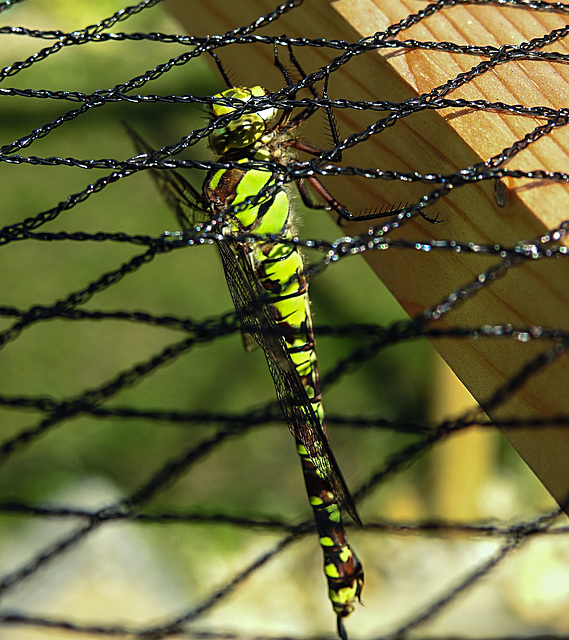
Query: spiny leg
x: 306, y: 199
x: 308, y: 111
x: 329, y: 200
x: 299, y: 145
x: 221, y: 69
x: 332, y: 204
x: 332, y: 121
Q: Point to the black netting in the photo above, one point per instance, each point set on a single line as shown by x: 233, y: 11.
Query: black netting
x: 148, y: 486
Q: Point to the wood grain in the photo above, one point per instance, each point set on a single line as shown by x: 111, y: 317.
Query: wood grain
x: 446, y: 141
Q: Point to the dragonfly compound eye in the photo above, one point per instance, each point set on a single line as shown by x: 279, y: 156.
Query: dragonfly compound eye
x: 237, y: 135
x: 245, y: 130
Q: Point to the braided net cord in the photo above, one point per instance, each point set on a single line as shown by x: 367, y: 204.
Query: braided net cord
x: 148, y: 485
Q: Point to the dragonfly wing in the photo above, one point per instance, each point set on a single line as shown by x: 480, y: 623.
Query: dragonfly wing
x: 259, y: 324
x: 257, y: 319
x: 184, y: 199
x: 186, y: 202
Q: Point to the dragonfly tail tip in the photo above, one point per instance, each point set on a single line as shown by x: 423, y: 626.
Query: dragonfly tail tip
x: 341, y: 628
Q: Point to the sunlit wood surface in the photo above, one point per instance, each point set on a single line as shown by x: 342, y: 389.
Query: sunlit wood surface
x: 445, y: 141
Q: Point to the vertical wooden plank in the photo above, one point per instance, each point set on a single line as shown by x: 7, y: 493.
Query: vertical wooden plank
x: 446, y: 141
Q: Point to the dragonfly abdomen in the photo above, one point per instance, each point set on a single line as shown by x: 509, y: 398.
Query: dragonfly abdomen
x: 269, y: 289
x: 252, y: 201
x: 343, y: 570
x: 280, y: 270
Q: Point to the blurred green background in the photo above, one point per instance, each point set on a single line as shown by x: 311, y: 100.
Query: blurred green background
x: 89, y: 461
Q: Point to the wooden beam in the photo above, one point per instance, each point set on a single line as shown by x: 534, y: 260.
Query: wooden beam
x: 446, y: 141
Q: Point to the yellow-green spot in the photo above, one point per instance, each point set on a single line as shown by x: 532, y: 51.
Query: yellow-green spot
x: 326, y: 541
x: 333, y: 513
x: 245, y: 130
x: 331, y: 571
x: 343, y: 596
x: 345, y: 554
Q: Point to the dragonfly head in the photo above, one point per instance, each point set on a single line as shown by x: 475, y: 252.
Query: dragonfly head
x: 245, y: 130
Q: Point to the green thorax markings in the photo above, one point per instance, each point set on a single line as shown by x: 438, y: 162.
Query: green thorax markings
x: 253, y: 136
x: 279, y: 267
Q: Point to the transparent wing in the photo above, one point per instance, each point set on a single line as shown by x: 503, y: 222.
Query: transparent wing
x: 255, y: 314
x: 257, y: 320
x: 186, y: 202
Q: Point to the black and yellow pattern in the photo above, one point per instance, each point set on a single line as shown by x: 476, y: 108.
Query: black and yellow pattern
x: 269, y: 289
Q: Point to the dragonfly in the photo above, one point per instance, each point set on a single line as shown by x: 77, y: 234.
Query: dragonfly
x: 266, y: 279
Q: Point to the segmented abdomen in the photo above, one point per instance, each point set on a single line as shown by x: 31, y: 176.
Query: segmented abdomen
x: 279, y: 268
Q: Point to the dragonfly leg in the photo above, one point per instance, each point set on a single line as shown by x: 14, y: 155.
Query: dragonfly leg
x: 306, y: 113
x: 345, y: 214
x: 331, y: 203
x: 328, y: 198
x: 222, y: 70
x: 305, y: 195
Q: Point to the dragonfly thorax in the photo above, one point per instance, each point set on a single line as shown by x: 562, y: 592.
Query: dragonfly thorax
x: 246, y: 130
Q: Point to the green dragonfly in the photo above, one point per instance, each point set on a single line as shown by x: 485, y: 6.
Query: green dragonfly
x: 269, y: 289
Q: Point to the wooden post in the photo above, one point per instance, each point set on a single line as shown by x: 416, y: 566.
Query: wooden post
x: 446, y: 141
